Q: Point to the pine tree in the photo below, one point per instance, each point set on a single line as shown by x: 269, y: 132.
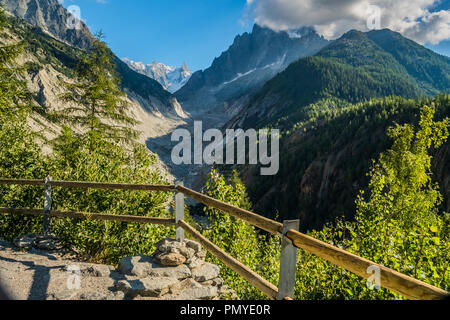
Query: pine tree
x: 14, y: 96
x: 97, y: 104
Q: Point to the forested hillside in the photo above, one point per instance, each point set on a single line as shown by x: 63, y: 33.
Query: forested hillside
x: 323, y: 160
x: 354, y: 68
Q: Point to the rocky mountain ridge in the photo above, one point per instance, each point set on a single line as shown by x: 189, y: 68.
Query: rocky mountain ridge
x: 171, y: 78
x: 251, y: 60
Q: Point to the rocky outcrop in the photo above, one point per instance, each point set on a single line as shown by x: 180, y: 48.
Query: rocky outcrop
x: 52, y: 18
x: 249, y: 62
x: 177, y: 270
x: 31, y: 270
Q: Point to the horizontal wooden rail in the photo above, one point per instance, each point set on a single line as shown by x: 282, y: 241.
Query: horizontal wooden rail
x: 255, y: 279
x: 112, y: 186
x: 390, y: 279
x: 261, y: 222
x: 29, y: 182
x: 93, y: 216
x: 92, y: 185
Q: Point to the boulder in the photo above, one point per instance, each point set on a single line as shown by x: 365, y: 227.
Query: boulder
x: 184, y: 284
x: 143, y: 266
x: 193, y: 245
x: 206, y: 272
x: 135, y: 266
x: 188, y: 253
x: 198, y: 293
x: 147, y: 287
x: 170, y: 259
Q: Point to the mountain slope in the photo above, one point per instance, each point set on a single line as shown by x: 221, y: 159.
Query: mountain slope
x: 351, y: 69
x: 431, y: 70
x: 323, y: 164
x: 252, y: 59
x: 51, y: 17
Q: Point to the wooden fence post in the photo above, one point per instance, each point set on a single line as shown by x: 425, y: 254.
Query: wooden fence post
x: 179, y: 212
x: 47, y: 205
x: 288, y: 264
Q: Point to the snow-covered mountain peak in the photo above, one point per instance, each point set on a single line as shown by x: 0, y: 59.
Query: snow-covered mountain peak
x: 171, y: 78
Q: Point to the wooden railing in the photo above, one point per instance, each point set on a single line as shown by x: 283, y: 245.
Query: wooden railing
x: 288, y: 231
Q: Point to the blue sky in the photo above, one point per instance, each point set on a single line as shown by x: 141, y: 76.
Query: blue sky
x: 174, y: 31
x: 168, y: 31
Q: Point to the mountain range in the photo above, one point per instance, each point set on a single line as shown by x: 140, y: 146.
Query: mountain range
x: 356, y: 67
x: 249, y: 62
x: 51, y: 20
x: 171, y: 78
x: 316, y: 91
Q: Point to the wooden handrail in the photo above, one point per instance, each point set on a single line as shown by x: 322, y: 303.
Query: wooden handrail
x: 261, y: 222
x: 390, y: 279
x: 93, y: 216
x: 259, y: 282
x: 112, y: 186
x: 92, y: 185
x: 30, y: 182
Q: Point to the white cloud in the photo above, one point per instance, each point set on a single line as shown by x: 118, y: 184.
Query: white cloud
x: 332, y: 18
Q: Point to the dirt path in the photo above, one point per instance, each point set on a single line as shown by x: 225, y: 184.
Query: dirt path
x: 40, y: 275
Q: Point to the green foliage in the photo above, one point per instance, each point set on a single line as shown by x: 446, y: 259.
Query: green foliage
x: 98, y: 103
x: 392, y: 227
x: 238, y: 238
x: 343, y: 141
x: 14, y: 96
x: 401, y: 186
x: 92, y: 156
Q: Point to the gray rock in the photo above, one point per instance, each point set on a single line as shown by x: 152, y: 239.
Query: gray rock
x: 195, y: 263
x: 94, y: 270
x: 188, y: 253
x: 206, y: 272
x: 25, y: 242
x: 181, y: 272
x: 147, y: 287
x: 184, y: 284
x: 170, y: 259
x: 169, y: 246
x: 217, y: 282
x: 193, y: 245
x: 143, y: 266
x: 198, y: 293
x: 201, y: 254
x: 135, y: 266
x: 46, y: 244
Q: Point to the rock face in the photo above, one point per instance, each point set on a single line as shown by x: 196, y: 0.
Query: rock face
x: 249, y: 62
x: 51, y: 17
